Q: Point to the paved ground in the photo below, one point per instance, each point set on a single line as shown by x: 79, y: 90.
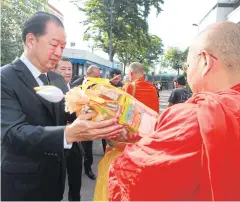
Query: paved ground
x: 88, y: 185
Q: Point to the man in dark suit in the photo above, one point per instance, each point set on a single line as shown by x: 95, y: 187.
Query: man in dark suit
x: 73, y: 156
x: 33, y: 130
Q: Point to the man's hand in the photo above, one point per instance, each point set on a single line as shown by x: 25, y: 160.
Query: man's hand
x: 84, y: 130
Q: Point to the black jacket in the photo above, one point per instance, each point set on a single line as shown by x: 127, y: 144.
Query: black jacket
x: 32, y: 132
x: 77, y: 82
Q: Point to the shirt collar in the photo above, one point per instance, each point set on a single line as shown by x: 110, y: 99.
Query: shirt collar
x: 35, y: 72
x: 68, y: 85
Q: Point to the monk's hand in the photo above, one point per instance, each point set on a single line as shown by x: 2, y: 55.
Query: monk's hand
x: 82, y: 129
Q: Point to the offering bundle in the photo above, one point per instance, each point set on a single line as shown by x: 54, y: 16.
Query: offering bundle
x: 110, y: 102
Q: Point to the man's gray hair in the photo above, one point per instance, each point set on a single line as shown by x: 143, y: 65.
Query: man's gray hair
x: 137, y: 67
x: 91, y: 69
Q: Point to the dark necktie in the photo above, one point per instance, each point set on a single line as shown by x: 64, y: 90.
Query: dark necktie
x: 44, y: 79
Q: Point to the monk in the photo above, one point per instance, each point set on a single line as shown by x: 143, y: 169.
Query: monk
x: 139, y: 88
x: 193, y: 155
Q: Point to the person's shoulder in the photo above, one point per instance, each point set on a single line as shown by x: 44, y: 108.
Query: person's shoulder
x: 78, y: 82
x: 178, y: 89
x: 147, y: 84
x: 179, y: 115
x: 9, y: 68
x: 6, y: 69
x: 55, y: 75
x: 9, y: 71
x: 181, y: 110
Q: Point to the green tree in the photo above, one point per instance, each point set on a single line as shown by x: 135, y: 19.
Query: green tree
x: 148, y: 53
x: 13, y: 15
x: 174, y: 57
x: 128, y: 21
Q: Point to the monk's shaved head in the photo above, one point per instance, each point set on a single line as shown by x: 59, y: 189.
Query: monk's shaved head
x: 93, y: 71
x: 137, y: 67
x: 222, y: 39
x: 136, y: 71
x: 214, y: 58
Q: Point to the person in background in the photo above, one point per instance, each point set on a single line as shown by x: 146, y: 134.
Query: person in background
x: 34, y: 132
x: 73, y: 156
x: 92, y: 71
x: 141, y: 89
x: 64, y: 68
x: 193, y: 153
x: 115, y: 78
x: 179, y: 94
x: 159, y: 86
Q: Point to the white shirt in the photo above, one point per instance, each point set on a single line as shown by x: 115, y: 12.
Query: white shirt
x: 36, y: 73
x: 68, y: 85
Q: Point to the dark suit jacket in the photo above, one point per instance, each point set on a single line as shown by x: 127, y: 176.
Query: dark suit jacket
x: 78, y: 82
x: 32, y: 132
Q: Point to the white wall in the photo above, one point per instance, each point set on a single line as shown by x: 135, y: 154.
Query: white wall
x: 220, y: 14
x: 223, y: 12
x: 234, y: 16
x: 209, y: 19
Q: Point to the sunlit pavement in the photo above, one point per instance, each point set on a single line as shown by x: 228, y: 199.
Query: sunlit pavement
x: 88, y: 185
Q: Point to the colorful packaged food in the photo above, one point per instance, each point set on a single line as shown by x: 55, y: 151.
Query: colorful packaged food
x: 109, y: 102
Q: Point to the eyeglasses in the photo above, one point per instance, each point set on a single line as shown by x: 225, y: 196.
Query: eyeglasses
x: 185, y: 65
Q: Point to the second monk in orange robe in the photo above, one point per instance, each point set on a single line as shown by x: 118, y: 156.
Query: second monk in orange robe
x: 141, y: 89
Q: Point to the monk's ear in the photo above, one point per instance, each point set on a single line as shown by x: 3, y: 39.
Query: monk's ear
x: 206, y: 63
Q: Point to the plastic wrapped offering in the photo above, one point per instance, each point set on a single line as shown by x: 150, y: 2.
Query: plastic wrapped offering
x: 50, y: 93
x: 109, y: 102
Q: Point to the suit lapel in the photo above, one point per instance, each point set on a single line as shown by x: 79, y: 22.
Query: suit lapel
x: 26, y: 76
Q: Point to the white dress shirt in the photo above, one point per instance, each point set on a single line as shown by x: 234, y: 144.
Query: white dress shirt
x: 36, y: 73
x: 68, y: 85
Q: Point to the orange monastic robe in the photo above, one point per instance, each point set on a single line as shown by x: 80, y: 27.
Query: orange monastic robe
x: 144, y: 92
x: 192, y: 155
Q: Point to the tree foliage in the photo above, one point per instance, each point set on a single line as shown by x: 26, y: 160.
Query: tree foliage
x: 129, y: 27
x: 174, y: 57
x: 130, y: 51
x: 13, y: 15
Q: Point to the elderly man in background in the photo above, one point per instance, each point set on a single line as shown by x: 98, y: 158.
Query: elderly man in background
x: 193, y: 153
x: 141, y: 89
x: 92, y: 71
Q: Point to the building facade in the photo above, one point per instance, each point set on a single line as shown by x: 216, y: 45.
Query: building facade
x: 82, y: 59
x: 228, y: 10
